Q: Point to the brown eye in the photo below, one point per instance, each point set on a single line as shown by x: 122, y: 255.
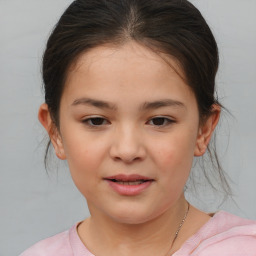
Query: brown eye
x: 95, y: 121
x: 160, y: 121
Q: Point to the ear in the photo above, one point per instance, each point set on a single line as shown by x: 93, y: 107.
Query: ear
x: 206, y: 130
x: 47, y: 122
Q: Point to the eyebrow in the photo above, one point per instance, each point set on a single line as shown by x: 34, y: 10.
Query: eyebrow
x: 162, y: 103
x: 146, y: 106
x: 94, y: 102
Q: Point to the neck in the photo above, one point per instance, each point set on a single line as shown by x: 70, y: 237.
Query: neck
x: 153, y: 237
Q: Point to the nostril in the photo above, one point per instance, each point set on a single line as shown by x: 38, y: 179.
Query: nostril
x: 127, y: 150
x: 127, y: 159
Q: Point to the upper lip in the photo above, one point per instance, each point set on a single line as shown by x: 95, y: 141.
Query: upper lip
x: 131, y: 177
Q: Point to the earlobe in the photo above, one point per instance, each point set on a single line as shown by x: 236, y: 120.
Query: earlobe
x: 206, y: 131
x: 45, y: 119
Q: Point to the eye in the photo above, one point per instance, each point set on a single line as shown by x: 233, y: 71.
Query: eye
x: 160, y: 121
x: 95, y: 121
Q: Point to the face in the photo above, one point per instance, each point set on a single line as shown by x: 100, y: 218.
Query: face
x: 129, y: 129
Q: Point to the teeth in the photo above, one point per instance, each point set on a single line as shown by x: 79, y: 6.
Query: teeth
x: 137, y: 182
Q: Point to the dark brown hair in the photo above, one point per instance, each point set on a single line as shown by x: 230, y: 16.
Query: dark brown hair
x: 173, y: 27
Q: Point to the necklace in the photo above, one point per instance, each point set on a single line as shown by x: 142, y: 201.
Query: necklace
x: 179, y: 228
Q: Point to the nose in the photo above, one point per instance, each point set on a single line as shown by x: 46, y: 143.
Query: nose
x: 127, y: 145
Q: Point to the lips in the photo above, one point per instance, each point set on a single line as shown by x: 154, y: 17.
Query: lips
x: 129, y: 185
x: 132, y: 183
x: 132, y: 179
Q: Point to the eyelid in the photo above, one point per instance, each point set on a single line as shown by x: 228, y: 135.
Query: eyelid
x: 90, y: 118
x: 166, y: 118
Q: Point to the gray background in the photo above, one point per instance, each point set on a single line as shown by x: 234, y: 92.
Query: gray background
x: 34, y: 205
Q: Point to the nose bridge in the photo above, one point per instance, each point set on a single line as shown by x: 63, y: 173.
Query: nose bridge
x: 127, y: 144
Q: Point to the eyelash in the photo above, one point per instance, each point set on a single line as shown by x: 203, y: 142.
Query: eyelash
x: 167, y: 121
x: 89, y: 121
x: 103, y: 121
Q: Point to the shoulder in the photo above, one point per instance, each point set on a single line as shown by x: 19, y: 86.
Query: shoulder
x: 52, y: 246
x: 229, y: 235
x: 224, y: 235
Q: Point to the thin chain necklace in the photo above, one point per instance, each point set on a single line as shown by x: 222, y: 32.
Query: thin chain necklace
x: 179, y: 228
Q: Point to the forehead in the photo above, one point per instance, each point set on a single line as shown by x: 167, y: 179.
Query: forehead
x: 130, y: 67
x: 136, y: 53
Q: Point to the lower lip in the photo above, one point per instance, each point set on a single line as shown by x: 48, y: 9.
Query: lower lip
x: 129, y: 190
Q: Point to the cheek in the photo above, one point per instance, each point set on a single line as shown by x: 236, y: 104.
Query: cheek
x: 174, y: 157
x: 84, y: 164
x: 177, y: 149
x: 84, y: 156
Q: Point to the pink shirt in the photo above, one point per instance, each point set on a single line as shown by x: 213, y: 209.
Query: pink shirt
x: 223, y: 235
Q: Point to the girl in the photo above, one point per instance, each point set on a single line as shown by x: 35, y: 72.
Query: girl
x: 129, y: 102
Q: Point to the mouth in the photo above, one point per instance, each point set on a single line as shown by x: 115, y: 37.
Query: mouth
x: 132, y: 179
x: 129, y: 185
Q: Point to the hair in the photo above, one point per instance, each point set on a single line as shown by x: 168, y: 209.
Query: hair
x: 173, y: 27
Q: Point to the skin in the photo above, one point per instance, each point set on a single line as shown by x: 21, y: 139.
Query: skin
x: 130, y: 140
